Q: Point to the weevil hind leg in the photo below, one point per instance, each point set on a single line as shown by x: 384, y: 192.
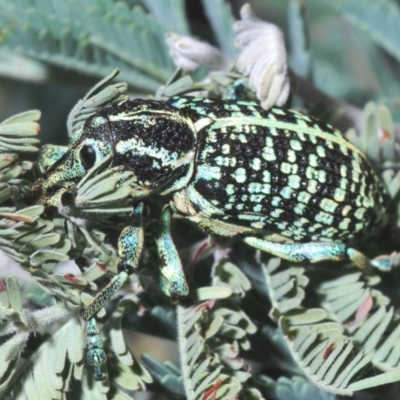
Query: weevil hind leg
x: 297, y: 252
x: 315, y: 252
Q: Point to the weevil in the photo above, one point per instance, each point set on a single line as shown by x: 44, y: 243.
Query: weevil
x: 282, y: 181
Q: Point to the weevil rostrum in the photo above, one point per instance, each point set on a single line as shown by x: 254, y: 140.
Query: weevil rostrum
x: 284, y: 182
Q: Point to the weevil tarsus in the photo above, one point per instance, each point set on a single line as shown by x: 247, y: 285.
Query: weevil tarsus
x: 95, y: 354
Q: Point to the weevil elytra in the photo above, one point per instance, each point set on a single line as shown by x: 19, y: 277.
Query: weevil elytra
x: 284, y: 182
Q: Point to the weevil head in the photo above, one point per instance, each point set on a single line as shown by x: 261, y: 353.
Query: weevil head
x: 149, y: 138
x: 87, y: 148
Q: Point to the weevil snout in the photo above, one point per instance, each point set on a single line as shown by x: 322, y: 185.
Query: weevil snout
x: 39, y: 193
x: 52, y: 197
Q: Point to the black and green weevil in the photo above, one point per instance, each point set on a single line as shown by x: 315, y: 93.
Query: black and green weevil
x: 284, y: 182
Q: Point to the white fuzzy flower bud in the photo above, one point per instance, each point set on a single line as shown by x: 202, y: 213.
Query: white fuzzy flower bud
x: 263, y: 58
x: 191, y: 53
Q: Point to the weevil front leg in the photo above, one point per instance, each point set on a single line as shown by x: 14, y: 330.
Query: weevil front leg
x: 315, y: 252
x: 130, y: 246
x: 172, y: 279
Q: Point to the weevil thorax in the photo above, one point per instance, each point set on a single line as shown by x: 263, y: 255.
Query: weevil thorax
x: 147, y: 137
x: 154, y: 141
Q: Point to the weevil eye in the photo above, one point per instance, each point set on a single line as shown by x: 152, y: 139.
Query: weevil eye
x: 88, y: 156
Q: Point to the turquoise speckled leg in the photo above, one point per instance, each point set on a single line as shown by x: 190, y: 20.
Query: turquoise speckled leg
x: 172, y: 278
x: 312, y: 252
x: 315, y: 252
x: 95, y: 355
x: 130, y: 245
